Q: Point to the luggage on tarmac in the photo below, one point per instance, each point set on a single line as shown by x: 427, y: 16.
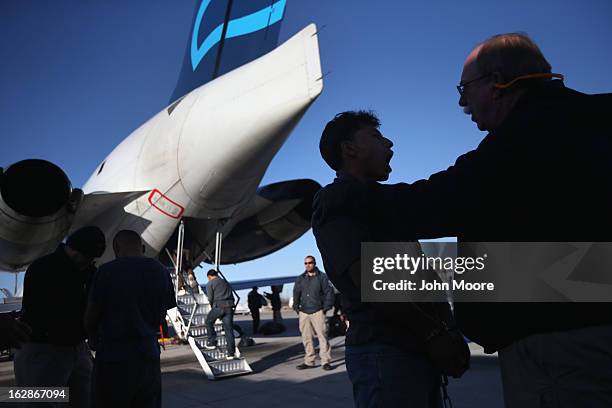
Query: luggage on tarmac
x: 337, y: 327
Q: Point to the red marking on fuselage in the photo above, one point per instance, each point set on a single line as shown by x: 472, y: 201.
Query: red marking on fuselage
x: 165, y: 205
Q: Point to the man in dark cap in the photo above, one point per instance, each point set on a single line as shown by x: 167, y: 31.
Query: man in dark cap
x: 54, y: 301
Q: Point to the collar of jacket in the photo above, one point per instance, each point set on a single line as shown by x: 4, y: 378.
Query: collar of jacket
x: 86, y: 274
x: 344, y: 176
x: 538, y: 95
x: 63, y: 256
x: 318, y: 272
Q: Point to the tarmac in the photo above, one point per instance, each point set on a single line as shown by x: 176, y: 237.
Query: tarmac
x: 276, y: 383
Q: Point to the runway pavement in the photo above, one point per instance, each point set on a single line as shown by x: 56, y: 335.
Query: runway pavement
x: 276, y: 383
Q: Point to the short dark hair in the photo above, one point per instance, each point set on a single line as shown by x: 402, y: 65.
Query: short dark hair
x: 89, y: 240
x: 127, y: 238
x: 211, y: 272
x: 340, y: 129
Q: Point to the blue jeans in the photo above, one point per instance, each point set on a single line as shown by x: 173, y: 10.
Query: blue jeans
x: 226, y: 314
x: 387, y: 376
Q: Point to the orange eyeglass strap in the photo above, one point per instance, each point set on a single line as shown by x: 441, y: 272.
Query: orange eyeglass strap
x: 529, y: 76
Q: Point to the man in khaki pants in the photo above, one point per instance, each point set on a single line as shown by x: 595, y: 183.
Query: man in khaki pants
x: 313, y: 296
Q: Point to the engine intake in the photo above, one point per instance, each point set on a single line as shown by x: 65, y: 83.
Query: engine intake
x: 35, y: 188
x: 37, y: 206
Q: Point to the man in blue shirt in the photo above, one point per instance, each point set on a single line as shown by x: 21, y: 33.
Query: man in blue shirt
x: 127, y: 304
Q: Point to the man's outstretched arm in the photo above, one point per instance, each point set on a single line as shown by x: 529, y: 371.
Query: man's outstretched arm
x: 442, y: 205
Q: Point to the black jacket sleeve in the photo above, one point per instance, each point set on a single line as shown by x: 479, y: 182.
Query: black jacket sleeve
x: 340, y: 223
x: 339, y: 228
x: 297, y: 294
x: 328, y: 293
x: 450, y: 200
x: 37, y: 295
x: 210, y: 292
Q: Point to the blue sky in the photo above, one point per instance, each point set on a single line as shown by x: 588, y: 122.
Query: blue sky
x: 78, y: 77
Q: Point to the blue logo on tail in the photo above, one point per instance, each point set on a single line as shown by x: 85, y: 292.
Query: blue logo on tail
x: 236, y: 27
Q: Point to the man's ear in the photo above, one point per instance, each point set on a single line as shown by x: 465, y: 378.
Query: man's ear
x: 348, y: 148
x: 498, y: 79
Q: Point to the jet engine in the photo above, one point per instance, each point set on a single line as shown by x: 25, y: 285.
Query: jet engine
x: 37, y: 206
x: 283, y: 215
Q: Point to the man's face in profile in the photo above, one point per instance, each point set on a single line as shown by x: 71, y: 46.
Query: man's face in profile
x: 82, y: 261
x: 372, y: 153
x: 478, y: 95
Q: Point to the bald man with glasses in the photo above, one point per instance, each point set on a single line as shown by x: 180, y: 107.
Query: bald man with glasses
x: 543, y: 173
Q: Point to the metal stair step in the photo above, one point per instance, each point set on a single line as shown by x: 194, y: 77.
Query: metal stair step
x: 188, y: 299
x: 221, y: 341
x: 198, y: 320
x: 218, y: 354
x: 200, y: 309
x: 215, y: 367
x: 190, y: 313
x: 218, y: 326
x: 198, y: 331
x: 229, y: 367
x: 201, y: 331
x: 233, y: 373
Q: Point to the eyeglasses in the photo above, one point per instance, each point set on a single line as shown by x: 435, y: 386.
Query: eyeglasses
x: 461, y: 86
x: 308, y: 263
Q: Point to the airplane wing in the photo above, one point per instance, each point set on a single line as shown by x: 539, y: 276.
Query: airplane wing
x: 96, y: 204
x: 38, y: 208
x: 276, y: 216
x: 261, y: 283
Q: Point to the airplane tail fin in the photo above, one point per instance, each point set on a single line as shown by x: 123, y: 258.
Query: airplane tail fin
x: 225, y: 35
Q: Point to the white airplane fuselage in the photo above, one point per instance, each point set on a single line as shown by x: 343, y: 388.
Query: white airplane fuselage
x: 205, y: 156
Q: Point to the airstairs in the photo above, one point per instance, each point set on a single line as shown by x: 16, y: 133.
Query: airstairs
x: 189, y: 322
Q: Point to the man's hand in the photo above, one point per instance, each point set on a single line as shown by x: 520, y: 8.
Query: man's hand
x: 93, y: 343
x: 12, y: 331
x: 448, y: 352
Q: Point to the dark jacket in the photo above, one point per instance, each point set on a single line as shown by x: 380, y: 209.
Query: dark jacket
x: 342, y: 220
x: 219, y: 293
x: 132, y: 295
x: 311, y: 294
x: 255, y: 300
x: 544, y: 175
x: 275, y: 300
x: 55, y: 298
